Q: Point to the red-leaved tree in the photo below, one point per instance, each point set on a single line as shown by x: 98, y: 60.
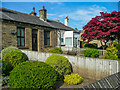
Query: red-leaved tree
x: 104, y: 28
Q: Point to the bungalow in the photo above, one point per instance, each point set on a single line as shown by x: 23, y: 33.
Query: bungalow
x: 31, y: 32
x: 69, y: 39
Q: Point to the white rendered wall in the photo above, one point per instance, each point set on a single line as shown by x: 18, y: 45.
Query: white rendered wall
x: 94, y: 68
x: 68, y: 34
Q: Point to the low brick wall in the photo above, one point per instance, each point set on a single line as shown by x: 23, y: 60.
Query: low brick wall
x: 86, y: 67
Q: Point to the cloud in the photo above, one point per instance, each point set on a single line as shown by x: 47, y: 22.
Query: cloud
x: 60, y: 3
x: 51, y: 14
x: 62, y: 15
x: 84, y: 15
x: 88, y: 13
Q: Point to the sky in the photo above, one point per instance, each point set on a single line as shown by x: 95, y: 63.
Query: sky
x: 79, y: 13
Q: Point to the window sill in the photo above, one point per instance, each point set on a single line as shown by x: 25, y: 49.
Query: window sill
x: 47, y: 46
x: 62, y: 44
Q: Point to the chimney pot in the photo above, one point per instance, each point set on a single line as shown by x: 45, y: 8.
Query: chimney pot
x: 33, y: 12
x: 33, y: 9
x: 43, y: 7
x: 66, y: 21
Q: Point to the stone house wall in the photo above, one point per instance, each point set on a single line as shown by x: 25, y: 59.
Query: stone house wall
x: 9, y: 39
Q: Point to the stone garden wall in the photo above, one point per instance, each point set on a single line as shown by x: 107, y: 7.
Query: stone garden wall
x: 86, y: 67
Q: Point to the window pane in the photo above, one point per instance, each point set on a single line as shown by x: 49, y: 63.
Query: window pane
x: 48, y: 41
x: 61, y: 39
x: 47, y: 38
x: 62, y: 42
x: 18, y: 41
x: 22, y: 41
x: 18, y: 32
x: 61, y: 35
x: 22, y: 32
x: 48, y: 34
x: 68, y: 41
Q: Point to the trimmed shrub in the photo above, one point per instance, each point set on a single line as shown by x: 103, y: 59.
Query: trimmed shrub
x: 56, y: 50
x: 94, y: 53
x: 90, y: 45
x: 6, y: 68
x: 34, y: 74
x: 14, y: 57
x: 60, y: 64
x: 7, y: 50
x: 111, y: 53
x: 73, y: 79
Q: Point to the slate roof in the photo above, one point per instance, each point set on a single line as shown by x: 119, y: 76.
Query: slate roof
x: 8, y: 14
x: 111, y: 82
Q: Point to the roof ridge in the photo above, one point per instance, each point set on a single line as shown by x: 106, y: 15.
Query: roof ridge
x: 17, y: 11
x: 62, y: 24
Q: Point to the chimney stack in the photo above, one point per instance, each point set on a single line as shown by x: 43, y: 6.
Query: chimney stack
x: 43, y: 13
x: 33, y: 12
x: 57, y: 20
x: 66, y: 21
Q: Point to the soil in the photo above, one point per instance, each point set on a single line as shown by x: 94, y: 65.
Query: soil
x: 84, y: 83
x: 65, y: 85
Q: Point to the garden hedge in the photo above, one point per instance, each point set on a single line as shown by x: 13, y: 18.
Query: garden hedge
x: 94, y: 53
x: 56, y: 50
x: 73, y: 79
x: 7, y: 50
x: 6, y: 68
x: 14, y: 57
x: 60, y: 63
x: 91, y: 45
x: 112, y: 53
x: 34, y: 74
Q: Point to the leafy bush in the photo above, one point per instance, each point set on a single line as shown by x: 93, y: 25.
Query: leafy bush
x: 111, y: 53
x: 91, y: 53
x: 83, y: 44
x: 118, y: 48
x: 7, y: 50
x: 34, y: 74
x: 6, y: 68
x: 73, y: 79
x: 90, y: 45
x: 14, y: 57
x: 60, y: 63
x: 56, y: 50
x: 115, y: 43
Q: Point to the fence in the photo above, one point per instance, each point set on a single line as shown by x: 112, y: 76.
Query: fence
x: 84, y: 66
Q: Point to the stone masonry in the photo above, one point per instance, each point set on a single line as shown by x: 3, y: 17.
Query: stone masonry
x: 9, y: 39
